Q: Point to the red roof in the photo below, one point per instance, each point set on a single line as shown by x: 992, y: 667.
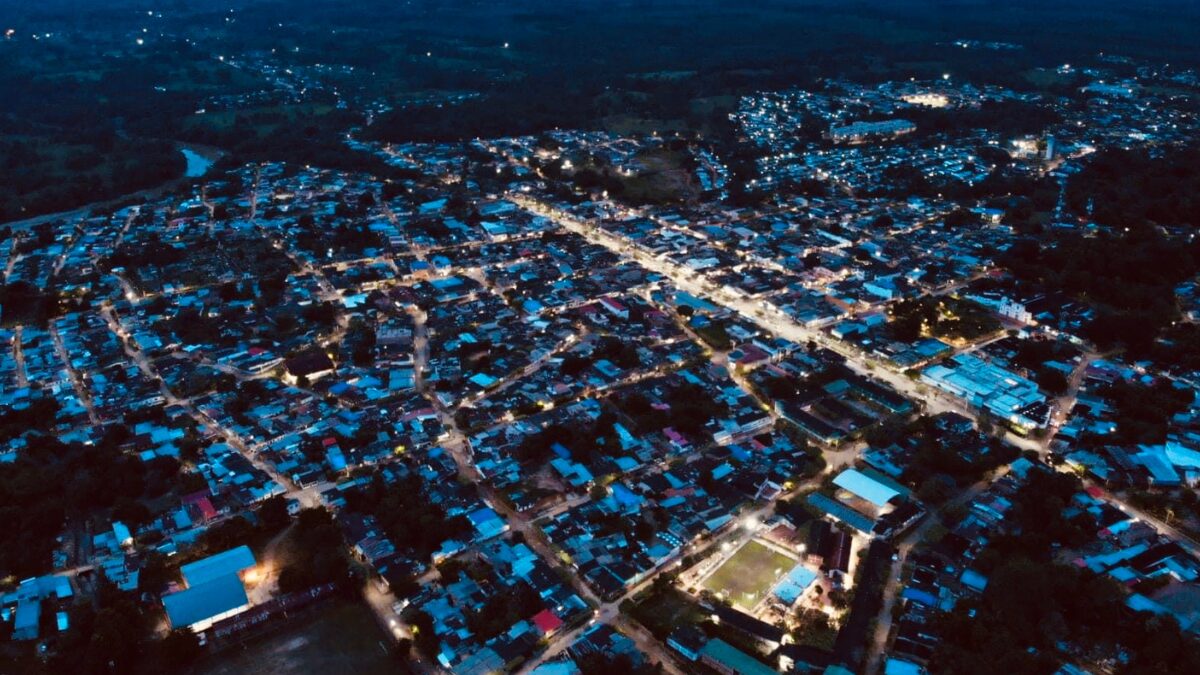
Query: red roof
x: 1096, y: 492
x: 684, y: 492
x: 751, y: 354
x: 206, y: 508
x: 546, y: 621
x: 328, y: 441
x: 675, y: 436
x: 613, y: 304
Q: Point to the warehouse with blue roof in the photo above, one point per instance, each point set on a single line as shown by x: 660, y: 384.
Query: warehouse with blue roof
x: 215, y: 590
x: 199, y: 607
x: 861, y: 485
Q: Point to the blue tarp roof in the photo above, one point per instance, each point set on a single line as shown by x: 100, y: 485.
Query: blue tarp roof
x: 917, y: 595
x: 975, y: 580
x: 487, y: 523
x: 483, y: 379
x: 902, y: 667
x: 626, y: 497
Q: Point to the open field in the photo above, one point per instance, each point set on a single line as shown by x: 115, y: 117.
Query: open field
x: 662, y: 610
x: 343, y: 638
x: 746, y: 577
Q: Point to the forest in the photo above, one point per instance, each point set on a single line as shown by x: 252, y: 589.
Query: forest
x: 1128, y: 270
x: 89, y: 115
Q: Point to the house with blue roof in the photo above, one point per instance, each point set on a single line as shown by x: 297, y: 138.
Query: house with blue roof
x: 487, y: 523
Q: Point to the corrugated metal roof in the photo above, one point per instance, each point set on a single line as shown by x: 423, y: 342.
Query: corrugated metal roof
x: 204, y: 601
x: 220, y: 565
x: 866, y: 487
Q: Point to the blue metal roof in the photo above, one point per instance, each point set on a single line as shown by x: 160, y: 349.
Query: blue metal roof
x: 917, y: 595
x: 220, y: 565
x: 840, y: 511
x: 204, y: 601
x: 866, y: 487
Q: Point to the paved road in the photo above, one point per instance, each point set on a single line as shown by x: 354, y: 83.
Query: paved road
x: 309, y: 497
x: 19, y: 358
x: 770, y: 319
x: 459, y: 448
x: 877, y: 646
x: 81, y: 390
x: 780, y: 324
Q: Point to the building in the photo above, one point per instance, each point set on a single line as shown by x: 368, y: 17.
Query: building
x: 1005, y: 394
x: 729, y: 660
x: 688, y: 640
x: 215, y: 590
x: 24, y: 603
x: 1012, y: 308
x: 861, y: 485
x: 311, y: 366
x: 859, y: 131
x: 199, y: 607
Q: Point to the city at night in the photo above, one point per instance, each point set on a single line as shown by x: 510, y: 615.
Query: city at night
x: 590, y: 337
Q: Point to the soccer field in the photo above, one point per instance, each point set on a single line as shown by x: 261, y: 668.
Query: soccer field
x: 749, y: 574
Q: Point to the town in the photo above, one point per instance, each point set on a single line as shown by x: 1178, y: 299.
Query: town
x: 577, y: 402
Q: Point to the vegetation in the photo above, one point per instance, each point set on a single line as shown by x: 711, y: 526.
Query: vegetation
x: 504, y: 609
x: 665, y: 608
x: 1137, y: 189
x: 316, y: 552
x: 691, y: 408
x: 748, y: 574
x: 52, y: 483
x: 24, y: 303
x: 405, y: 513
x: 942, y: 459
x: 946, y: 317
x: 1130, y: 270
x: 47, y: 175
x: 1033, y: 608
x: 1144, y: 412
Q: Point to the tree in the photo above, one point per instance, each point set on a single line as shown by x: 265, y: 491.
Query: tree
x: 403, y: 648
x: 273, y: 513
x: 179, y: 650
x: 1052, y: 381
x: 424, y: 635
x: 936, y: 489
x: 322, y: 561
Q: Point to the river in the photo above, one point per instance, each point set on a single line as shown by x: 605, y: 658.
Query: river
x: 197, y: 164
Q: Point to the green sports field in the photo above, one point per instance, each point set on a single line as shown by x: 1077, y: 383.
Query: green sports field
x: 746, y: 577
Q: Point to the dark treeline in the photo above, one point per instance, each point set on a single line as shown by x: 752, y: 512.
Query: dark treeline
x: 53, y: 482
x: 89, y: 95
x: 1033, y: 606
x: 1139, y: 188
x: 1128, y: 271
x: 36, y: 182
